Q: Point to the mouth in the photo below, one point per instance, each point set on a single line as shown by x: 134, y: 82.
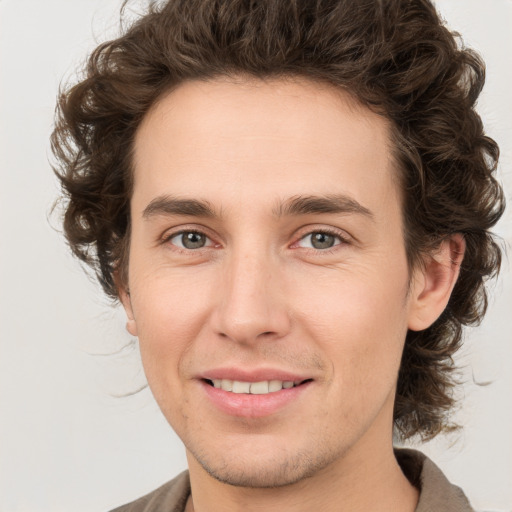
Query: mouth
x: 257, y: 392
x: 263, y: 387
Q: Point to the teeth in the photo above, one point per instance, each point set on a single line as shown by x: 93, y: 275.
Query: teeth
x: 259, y: 388
x: 226, y: 384
x: 275, y: 385
x: 241, y: 387
x: 253, y: 388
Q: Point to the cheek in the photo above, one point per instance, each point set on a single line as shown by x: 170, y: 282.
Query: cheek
x: 359, y: 322
x: 170, y: 309
x: 353, y: 300
x: 166, y: 297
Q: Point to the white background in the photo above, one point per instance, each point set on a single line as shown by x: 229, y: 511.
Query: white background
x: 67, y: 443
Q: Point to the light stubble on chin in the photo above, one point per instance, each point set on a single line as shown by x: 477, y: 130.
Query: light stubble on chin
x: 277, y: 472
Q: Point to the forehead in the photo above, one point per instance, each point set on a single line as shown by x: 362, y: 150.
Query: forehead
x: 226, y: 139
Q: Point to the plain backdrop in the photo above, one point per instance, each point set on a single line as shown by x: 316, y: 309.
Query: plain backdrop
x: 68, y: 441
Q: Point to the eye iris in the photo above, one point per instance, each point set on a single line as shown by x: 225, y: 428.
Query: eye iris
x: 193, y: 240
x: 322, y: 240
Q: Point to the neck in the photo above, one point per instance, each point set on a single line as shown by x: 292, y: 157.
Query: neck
x: 368, y: 479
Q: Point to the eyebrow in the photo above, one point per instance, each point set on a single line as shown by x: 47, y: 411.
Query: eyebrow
x: 294, y: 206
x: 335, y: 203
x: 168, y: 205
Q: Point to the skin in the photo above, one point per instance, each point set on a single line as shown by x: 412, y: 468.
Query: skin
x: 260, y: 296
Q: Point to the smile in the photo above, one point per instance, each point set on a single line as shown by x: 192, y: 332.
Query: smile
x: 253, y: 398
x: 254, y: 388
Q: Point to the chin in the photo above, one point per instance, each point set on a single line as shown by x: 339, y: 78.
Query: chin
x: 260, y: 472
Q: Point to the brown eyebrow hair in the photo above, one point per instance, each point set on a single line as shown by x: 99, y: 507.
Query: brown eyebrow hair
x: 336, y: 203
x: 298, y: 205
x: 169, y: 205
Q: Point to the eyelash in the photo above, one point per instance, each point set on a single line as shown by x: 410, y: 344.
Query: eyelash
x: 168, y: 237
x: 342, y: 240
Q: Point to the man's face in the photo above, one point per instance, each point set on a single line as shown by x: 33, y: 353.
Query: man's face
x: 267, y: 247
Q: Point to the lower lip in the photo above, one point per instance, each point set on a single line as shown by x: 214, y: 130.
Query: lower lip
x: 253, y: 406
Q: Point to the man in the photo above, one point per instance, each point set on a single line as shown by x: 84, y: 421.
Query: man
x: 292, y: 201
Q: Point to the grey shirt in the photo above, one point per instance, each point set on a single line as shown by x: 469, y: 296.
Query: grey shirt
x: 437, y: 494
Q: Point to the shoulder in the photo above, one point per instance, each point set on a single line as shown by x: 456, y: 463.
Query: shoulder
x: 436, y: 492
x: 170, y: 497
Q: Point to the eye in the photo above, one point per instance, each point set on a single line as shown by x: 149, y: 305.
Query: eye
x: 190, y: 240
x: 320, y: 240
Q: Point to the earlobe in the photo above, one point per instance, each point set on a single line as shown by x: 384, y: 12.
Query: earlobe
x: 124, y: 297
x: 433, y: 283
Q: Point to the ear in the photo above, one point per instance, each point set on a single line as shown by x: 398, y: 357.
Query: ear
x: 126, y: 301
x: 433, y: 283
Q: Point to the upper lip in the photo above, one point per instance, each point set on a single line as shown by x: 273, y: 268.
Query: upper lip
x: 254, y: 375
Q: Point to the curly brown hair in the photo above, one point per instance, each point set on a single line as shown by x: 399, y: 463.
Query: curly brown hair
x: 395, y: 56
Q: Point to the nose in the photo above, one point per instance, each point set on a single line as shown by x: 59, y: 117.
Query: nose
x: 251, y: 302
